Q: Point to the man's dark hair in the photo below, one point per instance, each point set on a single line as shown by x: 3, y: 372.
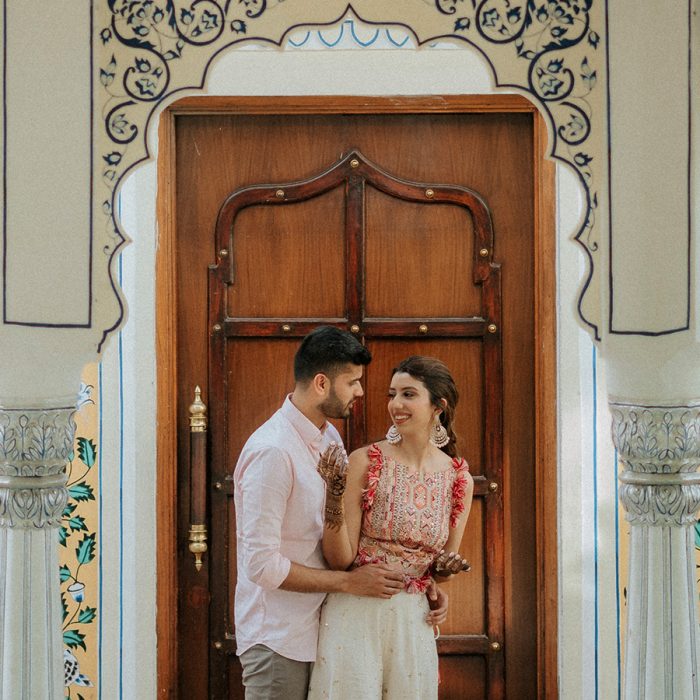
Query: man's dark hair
x: 326, y: 350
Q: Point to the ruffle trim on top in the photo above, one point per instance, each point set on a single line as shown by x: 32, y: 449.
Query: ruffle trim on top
x: 459, y: 487
x: 375, y: 468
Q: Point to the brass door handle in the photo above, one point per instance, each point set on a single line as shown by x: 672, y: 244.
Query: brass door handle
x: 198, y: 478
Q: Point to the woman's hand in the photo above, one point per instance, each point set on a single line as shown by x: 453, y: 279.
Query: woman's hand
x: 449, y: 563
x: 437, y: 602
x: 333, y: 466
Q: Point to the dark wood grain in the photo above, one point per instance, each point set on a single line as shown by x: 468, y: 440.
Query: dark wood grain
x: 439, y: 229
x: 472, y: 143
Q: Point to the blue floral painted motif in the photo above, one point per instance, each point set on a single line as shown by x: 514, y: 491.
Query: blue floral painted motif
x: 541, y: 33
x: 255, y: 8
x: 156, y: 33
x: 449, y: 7
x: 537, y: 30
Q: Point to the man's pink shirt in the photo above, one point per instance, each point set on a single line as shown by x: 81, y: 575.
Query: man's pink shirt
x: 279, y: 500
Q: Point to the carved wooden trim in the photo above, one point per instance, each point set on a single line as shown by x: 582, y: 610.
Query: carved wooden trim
x: 351, y: 168
x: 334, y: 104
x: 166, y: 416
x: 545, y: 413
x: 545, y: 341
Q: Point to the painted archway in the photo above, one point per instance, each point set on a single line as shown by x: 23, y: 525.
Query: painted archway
x: 150, y: 50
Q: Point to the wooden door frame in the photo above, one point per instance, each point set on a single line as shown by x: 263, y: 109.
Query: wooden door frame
x: 544, y: 357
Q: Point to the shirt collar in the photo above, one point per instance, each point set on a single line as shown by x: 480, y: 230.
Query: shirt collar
x: 309, y: 433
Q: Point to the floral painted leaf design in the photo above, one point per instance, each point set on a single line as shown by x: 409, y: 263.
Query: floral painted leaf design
x: 106, y: 78
x: 513, y: 15
x: 87, y: 615
x: 85, y: 551
x: 64, y: 606
x: 113, y: 158
x: 77, y: 522
x: 587, y: 75
x: 62, y: 535
x: 70, y: 507
x: 81, y: 492
x: 87, y: 451
x: 74, y: 639
x: 64, y: 573
x: 697, y: 534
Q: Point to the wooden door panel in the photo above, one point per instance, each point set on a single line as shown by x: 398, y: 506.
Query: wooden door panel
x: 259, y: 374
x: 468, y: 601
x: 462, y: 678
x: 408, y: 249
x: 288, y: 260
x: 491, y: 153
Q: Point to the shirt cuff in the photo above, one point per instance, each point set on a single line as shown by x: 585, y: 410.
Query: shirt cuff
x: 273, y: 573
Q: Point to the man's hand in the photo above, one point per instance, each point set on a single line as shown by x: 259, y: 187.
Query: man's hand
x: 437, y: 600
x: 448, y: 563
x: 375, y: 580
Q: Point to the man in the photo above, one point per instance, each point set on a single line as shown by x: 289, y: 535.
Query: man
x: 279, y: 498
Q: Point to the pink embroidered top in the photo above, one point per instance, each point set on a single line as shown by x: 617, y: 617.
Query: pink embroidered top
x: 407, y: 515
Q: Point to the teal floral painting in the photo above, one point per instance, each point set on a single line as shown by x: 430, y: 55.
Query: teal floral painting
x: 77, y: 556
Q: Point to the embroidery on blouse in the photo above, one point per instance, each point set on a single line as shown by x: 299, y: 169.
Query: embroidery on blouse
x: 407, y: 516
x: 458, y: 489
x: 375, y: 467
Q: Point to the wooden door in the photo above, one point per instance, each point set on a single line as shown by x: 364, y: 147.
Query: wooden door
x: 407, y: 267
x: 385, y: 246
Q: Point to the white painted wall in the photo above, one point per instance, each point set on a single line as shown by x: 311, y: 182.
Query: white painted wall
x: 589, y: 647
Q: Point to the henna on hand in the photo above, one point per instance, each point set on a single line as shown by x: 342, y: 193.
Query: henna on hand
x: 332, y: 466
x: 449, y: 563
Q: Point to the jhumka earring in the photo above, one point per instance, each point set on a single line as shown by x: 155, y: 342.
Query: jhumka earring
x: 438, y: 434
x: 393, y: 436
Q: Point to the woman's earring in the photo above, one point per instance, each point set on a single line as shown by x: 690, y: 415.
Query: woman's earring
x: 438, y: 434
x: 393, y: 436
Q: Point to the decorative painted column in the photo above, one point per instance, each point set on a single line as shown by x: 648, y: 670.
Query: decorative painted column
x: 35, y: 444
x: 659, y: 447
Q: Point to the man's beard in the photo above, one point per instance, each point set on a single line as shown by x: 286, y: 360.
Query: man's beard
x: 333, y: 407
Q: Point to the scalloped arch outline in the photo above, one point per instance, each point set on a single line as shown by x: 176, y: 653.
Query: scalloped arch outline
x: 155, y: 49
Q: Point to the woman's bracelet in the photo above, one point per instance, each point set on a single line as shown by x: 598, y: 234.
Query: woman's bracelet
x: 334, y: 512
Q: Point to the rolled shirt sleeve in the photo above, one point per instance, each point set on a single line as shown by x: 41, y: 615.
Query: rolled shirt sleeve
x: 265, y: 485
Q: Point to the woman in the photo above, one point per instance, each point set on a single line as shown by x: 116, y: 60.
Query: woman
x: 403, y: 501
